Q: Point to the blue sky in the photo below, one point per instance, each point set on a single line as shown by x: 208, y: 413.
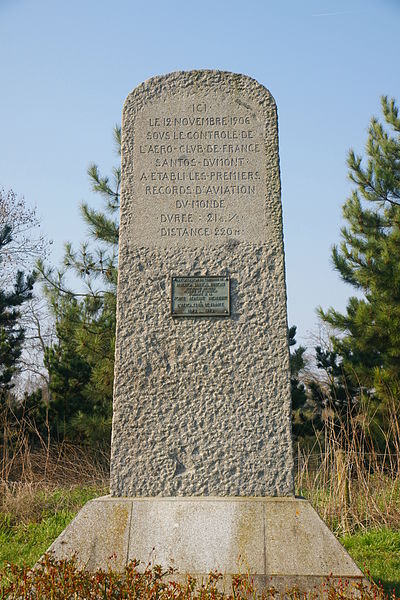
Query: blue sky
x: 66, y: 68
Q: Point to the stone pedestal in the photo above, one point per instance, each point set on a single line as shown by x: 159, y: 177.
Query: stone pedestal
x: 280, y: 542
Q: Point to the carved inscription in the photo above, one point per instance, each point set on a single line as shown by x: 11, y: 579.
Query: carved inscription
x: 200, y: 296
x: 199, y: 172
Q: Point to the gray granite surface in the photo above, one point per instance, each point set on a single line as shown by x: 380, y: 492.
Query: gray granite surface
x: 201, y: 404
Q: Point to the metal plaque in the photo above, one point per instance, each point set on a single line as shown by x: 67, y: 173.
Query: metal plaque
x: 207, y: 296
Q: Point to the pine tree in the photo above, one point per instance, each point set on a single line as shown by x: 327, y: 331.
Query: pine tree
x: 368, y: 258
x: 297, y: 363
x: 81, y: 363
x: 302, y: 417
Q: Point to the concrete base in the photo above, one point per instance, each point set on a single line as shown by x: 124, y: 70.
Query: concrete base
x: 281, y: 542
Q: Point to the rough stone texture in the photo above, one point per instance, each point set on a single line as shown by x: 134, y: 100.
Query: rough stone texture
x: 279, y: 541
x: 201, y: 405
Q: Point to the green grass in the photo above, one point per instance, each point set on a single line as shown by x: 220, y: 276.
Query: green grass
x: 21, y: 544
x: 32, y: 522
x: 378, y: 553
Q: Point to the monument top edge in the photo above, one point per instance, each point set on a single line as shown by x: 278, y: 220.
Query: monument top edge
x: 196, y: 79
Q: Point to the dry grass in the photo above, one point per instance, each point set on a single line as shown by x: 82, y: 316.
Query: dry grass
x: 51, y: 479
x: 350, y: 495
x: 352, y: 489
x: 27, y: 456
x: 350, y: 483
x: 42, y: 488
x: 352, y: 486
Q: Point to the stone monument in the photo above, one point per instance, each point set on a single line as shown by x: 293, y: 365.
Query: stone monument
x: 201, y: 399
x: 202, y: 465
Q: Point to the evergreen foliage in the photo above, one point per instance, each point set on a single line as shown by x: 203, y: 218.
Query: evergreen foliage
x: 297, y: 363
x: 337, y: 393
x: 304, y: 416
x: 368, y: 258
x: 81, y: 363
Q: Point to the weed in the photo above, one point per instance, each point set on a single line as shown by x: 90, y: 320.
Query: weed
x: 55, y: 580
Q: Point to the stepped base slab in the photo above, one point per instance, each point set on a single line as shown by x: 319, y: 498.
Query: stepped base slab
x: 280, y: 542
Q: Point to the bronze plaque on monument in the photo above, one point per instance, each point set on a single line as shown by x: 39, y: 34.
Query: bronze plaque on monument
x: 203, y: 296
